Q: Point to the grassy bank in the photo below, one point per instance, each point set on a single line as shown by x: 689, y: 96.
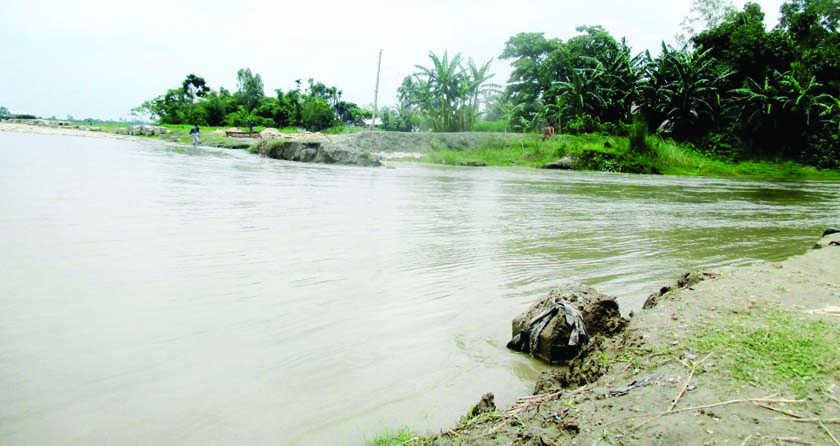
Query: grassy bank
x: 590, y: 152
x: 613, y: 154
x: 584, y: 152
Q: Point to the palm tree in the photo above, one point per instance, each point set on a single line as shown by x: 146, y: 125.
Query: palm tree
x: 759, y: 103
x: 687, y: 87
x: 477, y: 85
x: 802, y: 96
x: 622, y: 73
x: 444, y: 79
x: 580, y: 93
x: 447, y: 92
x: 829, y: 113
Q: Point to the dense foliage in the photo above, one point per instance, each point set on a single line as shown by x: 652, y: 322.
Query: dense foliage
x: 316, y: 108
x: 445, y: 96
x: 738, y: 91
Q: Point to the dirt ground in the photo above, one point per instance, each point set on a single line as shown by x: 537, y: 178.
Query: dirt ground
x: 385, y: 145
x: 662, y: 383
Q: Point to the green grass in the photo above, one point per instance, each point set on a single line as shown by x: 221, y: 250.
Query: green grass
x: 771, y: 346
x: 662, y: 156
x: 399, y: 438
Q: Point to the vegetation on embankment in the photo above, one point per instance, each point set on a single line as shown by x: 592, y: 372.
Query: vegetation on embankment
x: 613, y: 154
x: 589, y: 152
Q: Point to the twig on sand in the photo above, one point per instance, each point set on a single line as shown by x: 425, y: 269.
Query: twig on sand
x: 693, y: 368
x: 813, y: 420
x: 540, y: 397
x: 794, y: 440
x: 746, y: 440
x: 775, y: 409
x: 831, y: 393
x: 829, y: 433
x: 709, y: 406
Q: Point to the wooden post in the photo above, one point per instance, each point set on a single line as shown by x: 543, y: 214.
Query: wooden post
x: 376, y: 91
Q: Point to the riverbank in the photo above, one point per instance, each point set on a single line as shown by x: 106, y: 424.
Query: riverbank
x: 584, y: 152
x: 744, y: 356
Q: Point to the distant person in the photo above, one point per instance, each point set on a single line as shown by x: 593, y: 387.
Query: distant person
x: 194, y: 132
x: 251, y: 128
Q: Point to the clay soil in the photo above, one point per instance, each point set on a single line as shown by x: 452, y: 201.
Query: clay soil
x: 697, y: 368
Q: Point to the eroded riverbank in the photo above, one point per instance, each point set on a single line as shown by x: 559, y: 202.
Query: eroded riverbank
x: 748, y: 356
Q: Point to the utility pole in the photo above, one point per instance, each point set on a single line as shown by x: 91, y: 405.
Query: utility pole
x: 376, y: 91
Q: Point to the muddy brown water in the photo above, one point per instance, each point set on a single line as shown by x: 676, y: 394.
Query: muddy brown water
x: 150, y: 294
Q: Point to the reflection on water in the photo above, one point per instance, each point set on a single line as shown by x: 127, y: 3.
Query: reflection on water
x: 155, y: 295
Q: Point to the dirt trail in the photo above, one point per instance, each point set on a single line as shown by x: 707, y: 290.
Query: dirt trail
x: 686, y: 371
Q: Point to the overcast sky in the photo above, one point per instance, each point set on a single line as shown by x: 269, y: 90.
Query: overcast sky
x: 100, y: 58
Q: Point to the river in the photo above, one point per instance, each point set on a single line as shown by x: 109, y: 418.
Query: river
x: 152, y: 294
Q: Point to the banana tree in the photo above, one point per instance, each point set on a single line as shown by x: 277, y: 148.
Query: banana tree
x: 688, y: 89
x: 581, y: 93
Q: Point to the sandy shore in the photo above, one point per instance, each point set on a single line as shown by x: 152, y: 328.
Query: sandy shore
x: 70, y: 131
x: 84, y: 131
x: 705, y: 366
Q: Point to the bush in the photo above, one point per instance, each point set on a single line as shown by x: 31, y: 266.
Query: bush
x: 316, y: 114
x: 822, y: 153
x: 727, y: 147
x: 584, y: 124
x: 638, y: 134
x: 489, y: 126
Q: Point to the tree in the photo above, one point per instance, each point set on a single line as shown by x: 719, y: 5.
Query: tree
x: 316, y: 114
x: 250, y: 88
x: 446, y: 93
x: 194, y: 87
x: 742, y: 44
x: 443, y: 79
x: 537, y: 62
x: 4, y: 111
x: 684, y: 88
x: 580, y: 94
x: 215, y: 109
x: 810, y: 22
x: 704, y: 15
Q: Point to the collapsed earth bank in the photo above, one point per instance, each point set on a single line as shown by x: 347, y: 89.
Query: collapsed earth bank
x: 741, y: 356
x: 370, y: 148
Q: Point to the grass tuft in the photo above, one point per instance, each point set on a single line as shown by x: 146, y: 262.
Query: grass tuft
x: 402, y: 437
x: 781, y: 349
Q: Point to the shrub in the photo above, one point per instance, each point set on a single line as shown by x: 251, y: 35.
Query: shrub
x: 584, y: 124
x: 489, y: 126
x: 638, y: 134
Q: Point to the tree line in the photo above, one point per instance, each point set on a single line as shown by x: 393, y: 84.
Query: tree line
x: 315, y: 107
x: 735, y: 90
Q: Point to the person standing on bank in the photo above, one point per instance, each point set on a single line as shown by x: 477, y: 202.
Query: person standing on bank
x: 251, y: 128
x: 194, y: 133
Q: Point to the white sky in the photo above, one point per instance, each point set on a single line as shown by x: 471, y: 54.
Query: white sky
x: 100, y: 58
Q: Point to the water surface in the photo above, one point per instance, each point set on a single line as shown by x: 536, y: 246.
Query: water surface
x: 151, y: 294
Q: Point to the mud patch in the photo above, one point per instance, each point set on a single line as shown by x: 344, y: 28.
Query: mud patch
x: 687, y: 280
x: 590, y: 365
